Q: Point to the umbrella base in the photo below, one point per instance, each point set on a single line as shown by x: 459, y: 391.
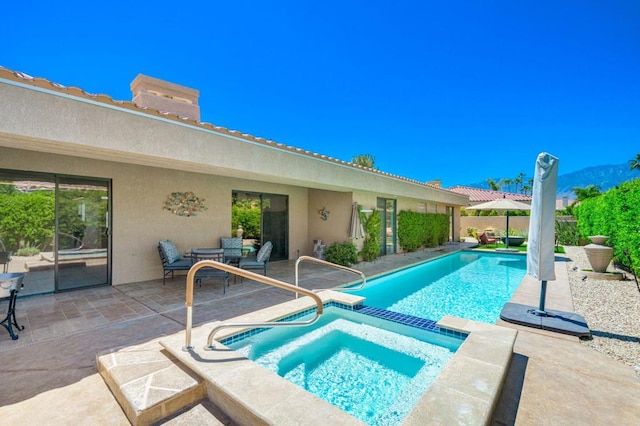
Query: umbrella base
x: 551, y: 320
x: 507, y: 250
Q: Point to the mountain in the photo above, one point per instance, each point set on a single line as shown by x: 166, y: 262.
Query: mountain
x: 606, y: 177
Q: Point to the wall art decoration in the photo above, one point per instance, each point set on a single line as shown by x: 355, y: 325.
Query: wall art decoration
x: 324, y: 214
x: 184, y: 204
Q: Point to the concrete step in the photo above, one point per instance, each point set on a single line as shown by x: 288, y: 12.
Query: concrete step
x: 204, y: 413
x: 150, y: 384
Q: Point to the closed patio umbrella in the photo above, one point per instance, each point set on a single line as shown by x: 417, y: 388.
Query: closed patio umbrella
x: 502, y: 204
x: 541, y: 256
x: 542, y: 224
x: 357, y: 230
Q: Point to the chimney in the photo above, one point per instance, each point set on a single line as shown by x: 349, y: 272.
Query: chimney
x: 149, y: 92
x: 437, y: 183
x: 565, y: 201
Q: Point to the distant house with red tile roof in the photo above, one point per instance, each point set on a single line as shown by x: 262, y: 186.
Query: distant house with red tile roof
x: 477, y: 195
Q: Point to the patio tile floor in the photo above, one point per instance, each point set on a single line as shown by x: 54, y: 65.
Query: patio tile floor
x: 49, y: 374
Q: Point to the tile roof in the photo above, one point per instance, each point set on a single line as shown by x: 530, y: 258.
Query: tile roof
x: 43, y: 83
x: 477, y: 195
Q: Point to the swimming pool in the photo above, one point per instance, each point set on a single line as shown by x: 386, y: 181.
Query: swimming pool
x: 376, y: 369
x: 465, y: 284
x: 373, y: 369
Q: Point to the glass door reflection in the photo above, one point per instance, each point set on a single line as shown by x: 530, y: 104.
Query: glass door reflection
x: 387, y: 211
x: 27, y: 228
x: 82, y: 240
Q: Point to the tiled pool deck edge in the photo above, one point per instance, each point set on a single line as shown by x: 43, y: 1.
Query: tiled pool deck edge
x: 417, y: 322
x: 468, y: 388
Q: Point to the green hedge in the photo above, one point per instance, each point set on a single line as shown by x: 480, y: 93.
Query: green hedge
x: 416, y: 230
x: 27, y: 219
x: 615, y: 213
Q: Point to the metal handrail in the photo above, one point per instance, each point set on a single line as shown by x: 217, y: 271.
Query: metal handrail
x: 333, y: 265
x: 245, y: 274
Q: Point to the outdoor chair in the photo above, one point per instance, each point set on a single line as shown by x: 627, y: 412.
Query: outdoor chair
x: 483, y: 239
x: 208, y: 273
x: 5, y: 258
x: 260, y: 261
x: 171, y: 260
x: 232, y: 250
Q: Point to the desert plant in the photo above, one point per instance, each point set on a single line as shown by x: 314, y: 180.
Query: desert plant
x: 567, y: 232
x: 344, y: 254
x: 513, y: 233
x: 365, y: 160
x: 28, y: 251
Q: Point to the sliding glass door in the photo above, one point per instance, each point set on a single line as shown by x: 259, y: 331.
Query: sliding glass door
x: 83, y: 233
x: 55, y: 229
x: 27, y: 228
x: 263, y: 217
x: 387, y: 211
x: 275, y: 224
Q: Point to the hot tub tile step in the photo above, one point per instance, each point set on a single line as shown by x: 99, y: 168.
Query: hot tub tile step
x: 149, y: 383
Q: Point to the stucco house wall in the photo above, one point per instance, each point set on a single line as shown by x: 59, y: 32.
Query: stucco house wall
x: 336, y: 228
x: 149, y: 154
x: 138, y: 220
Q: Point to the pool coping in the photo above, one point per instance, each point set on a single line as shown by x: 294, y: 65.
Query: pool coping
x: 466, y: 390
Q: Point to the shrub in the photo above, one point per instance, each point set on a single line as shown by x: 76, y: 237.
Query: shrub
x: 371, y: 247
x: 344, y: 254
x: 26, y: 219
x: 567, y: 232
x: 248, y: 215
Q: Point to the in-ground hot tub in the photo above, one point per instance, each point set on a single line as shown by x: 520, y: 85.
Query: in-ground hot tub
x: 373, y: 369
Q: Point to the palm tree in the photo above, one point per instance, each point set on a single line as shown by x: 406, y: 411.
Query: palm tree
x: 518, y: 180
x: 493, y: 185
x: 364, y: 160
x: 635, y: 163
x: 526, y: 189
x: 507, y: 182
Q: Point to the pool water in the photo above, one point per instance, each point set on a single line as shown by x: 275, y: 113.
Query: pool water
x: 467, y: 285
x: 371, y: 368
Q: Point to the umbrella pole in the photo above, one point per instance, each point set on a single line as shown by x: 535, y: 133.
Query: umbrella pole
x: 543, y: 295
x: 507, y: 239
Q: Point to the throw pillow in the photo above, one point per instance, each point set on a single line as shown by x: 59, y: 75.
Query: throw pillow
x: 264, y: 252
x: 170, y: 251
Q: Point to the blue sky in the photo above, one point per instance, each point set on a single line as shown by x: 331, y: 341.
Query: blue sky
x: 455, y: 90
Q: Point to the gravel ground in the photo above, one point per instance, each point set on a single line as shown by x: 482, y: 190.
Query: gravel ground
x: 611, y: 309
